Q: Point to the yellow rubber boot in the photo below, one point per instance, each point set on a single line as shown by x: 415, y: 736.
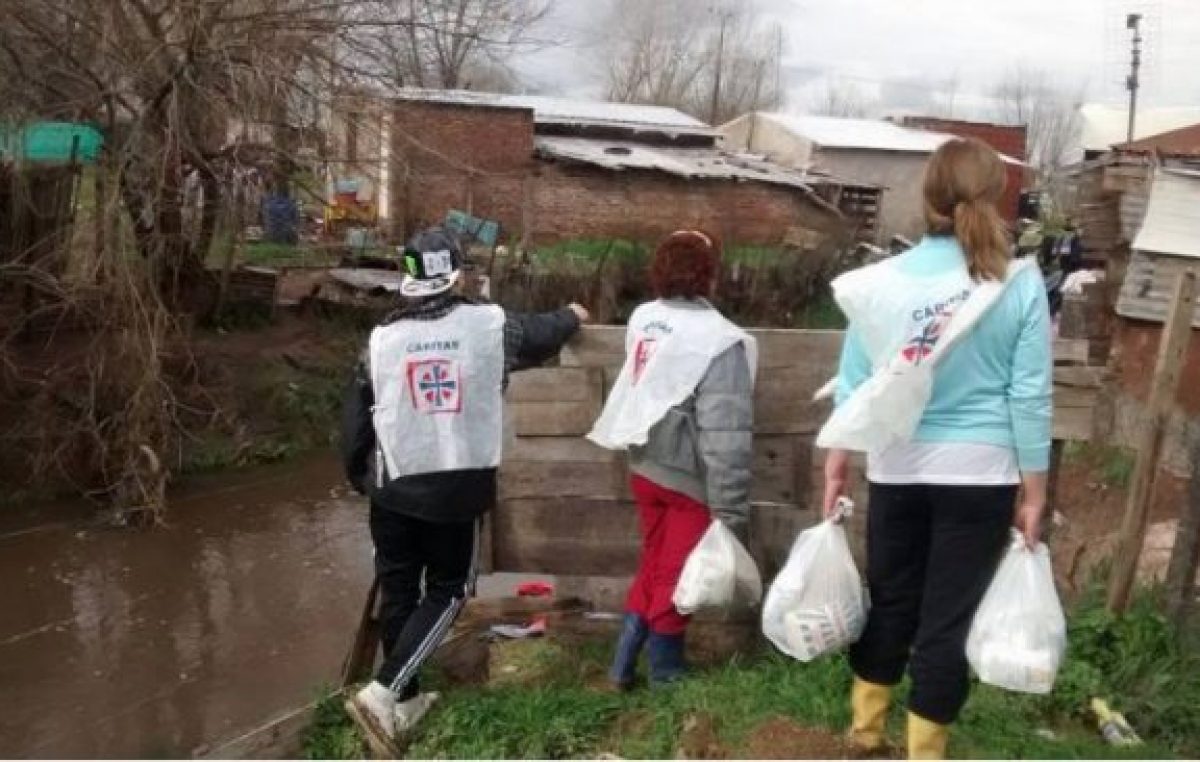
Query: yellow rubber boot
x: 869, y: 704
x: 926, y: 740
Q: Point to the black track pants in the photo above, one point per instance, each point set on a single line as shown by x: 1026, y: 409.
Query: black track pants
x: 426, y: 571
x: 931, y: 553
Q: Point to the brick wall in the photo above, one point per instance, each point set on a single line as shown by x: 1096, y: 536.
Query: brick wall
x: 586, y: 202
x: 436, y: 148
x: 1005, y: 138
x: 556, y: 202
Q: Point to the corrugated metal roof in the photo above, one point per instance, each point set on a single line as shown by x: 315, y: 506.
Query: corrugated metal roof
x: 548, y: 110
x: 698, y: 163
x: 1105, y: 126
x: 1172, y: 221
x: 1148, y: 286
x: 837, y: 132
x: 870, y: 134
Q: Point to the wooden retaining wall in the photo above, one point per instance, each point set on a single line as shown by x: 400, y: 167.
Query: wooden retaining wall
x: 565, y: 506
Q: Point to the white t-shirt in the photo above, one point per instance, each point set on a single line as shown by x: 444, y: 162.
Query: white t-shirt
x: 948, y: 463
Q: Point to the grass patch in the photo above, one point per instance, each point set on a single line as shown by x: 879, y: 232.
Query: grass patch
x: 1114, y: 465
x: 267, y: 254
x: 283, y: 409
x: 331, y: 734
x: 823, y: 314
x: 1134, y: 662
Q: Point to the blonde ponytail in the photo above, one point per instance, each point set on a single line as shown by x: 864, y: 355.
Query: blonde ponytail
x: 963, y: 181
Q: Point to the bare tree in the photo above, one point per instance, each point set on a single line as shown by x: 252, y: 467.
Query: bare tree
x: 843, y: 98
x: 448, y: 43
x: 1049, y: 110
x: 716, y: 67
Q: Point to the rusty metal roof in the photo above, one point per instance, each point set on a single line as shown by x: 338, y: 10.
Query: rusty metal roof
x: 692, y: 163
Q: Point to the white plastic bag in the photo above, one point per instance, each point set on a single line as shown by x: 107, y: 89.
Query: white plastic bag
x: 1019, y: 633
x: 817, y: 604
x: 718, y: 574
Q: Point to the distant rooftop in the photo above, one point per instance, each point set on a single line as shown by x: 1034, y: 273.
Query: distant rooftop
x: 1182, y: 142
x: 871, y: 134
x: 566, y: 111
x: 1105, y: 126
x: 838, y: 132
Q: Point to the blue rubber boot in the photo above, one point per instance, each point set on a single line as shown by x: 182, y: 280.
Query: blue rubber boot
x: 634, y: 632
x: 666, y: 658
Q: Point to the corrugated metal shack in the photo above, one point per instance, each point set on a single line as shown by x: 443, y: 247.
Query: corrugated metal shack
x: 1167, y: 244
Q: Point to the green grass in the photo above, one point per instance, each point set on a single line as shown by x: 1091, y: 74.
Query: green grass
x: 823, y: 314
x: 1135, y: 662
x: 583, y: 251
x: 331, y: 735
x: 593, y: 250
x: 263, y: 253
x: 286, y: 410
x: 1114, y: 465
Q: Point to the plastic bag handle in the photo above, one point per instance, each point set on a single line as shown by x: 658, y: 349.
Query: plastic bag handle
x: 842, y: 510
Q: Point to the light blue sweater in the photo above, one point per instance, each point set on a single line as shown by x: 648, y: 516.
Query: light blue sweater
x: 993, y: 387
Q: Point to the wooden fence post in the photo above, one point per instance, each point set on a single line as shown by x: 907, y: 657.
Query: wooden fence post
x: 1171, y: 351
x: 1181, y: 572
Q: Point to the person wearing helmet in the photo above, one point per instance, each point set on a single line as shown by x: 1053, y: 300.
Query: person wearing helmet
x: 422, y: 433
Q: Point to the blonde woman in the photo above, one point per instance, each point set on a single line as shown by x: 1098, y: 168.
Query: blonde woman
x: 942, y: 502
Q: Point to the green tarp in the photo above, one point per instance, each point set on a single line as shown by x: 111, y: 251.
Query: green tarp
x: 50, y: 143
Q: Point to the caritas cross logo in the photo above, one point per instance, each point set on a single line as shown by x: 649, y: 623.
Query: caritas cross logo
x: 435, y: 386
x: 921, y: 346
x: 642, y: 352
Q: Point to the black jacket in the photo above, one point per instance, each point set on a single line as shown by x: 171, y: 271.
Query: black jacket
x: 529, y: 340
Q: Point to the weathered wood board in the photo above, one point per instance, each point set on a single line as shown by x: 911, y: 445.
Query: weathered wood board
x: 565, y: 504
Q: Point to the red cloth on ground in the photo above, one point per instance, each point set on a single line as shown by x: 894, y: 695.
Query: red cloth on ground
x: 672, y: 525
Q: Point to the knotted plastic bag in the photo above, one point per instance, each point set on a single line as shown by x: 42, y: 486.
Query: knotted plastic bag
x: 817, y: 604
x: 718, y: 574
x: 1019, y: 633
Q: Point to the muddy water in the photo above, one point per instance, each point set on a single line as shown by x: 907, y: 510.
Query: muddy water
x: 135, y: 644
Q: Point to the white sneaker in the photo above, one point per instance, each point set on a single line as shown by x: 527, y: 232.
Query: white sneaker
x: 411, y: 712
x: 375, y: 706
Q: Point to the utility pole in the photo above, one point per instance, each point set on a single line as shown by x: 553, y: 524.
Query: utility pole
x: 1133, y: 21
x: 716, y: 94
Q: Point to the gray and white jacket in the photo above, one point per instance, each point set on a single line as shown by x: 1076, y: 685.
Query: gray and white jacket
x: 702, y: 447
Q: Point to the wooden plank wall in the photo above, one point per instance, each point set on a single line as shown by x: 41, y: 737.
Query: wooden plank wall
x: 565, y: 506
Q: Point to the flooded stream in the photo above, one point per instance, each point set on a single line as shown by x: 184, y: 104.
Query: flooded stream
x: 150, y: 643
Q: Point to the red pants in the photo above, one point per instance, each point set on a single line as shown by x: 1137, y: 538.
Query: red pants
x: 672, y: 525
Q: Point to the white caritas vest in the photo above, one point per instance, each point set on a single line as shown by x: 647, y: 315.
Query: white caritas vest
x: 438, y: 391
x: 668, y: 349
x: 887, y: 408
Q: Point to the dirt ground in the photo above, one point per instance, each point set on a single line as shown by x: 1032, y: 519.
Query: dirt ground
x: 1091, y: 511
x: 783, y: 738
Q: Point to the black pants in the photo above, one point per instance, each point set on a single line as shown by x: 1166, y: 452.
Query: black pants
x: 931, y: 553
x: 426, y: 572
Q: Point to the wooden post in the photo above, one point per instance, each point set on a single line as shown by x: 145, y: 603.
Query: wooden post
x: 1057, y: 447
x: 1181, y: 572
x: 1171, y: 352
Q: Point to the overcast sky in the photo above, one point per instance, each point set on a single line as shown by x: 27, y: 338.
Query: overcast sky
x: 899, y: 53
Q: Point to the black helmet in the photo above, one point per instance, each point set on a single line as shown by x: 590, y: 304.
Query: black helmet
x: 433, y: 260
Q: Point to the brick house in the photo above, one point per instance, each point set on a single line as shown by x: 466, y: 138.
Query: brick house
x: 550, y: 169
x: 1008, y: 139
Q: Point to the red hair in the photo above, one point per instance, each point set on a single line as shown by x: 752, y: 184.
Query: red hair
x: 685, y: 265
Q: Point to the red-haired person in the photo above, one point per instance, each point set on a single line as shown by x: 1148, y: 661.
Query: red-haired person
x: 682, y: 407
